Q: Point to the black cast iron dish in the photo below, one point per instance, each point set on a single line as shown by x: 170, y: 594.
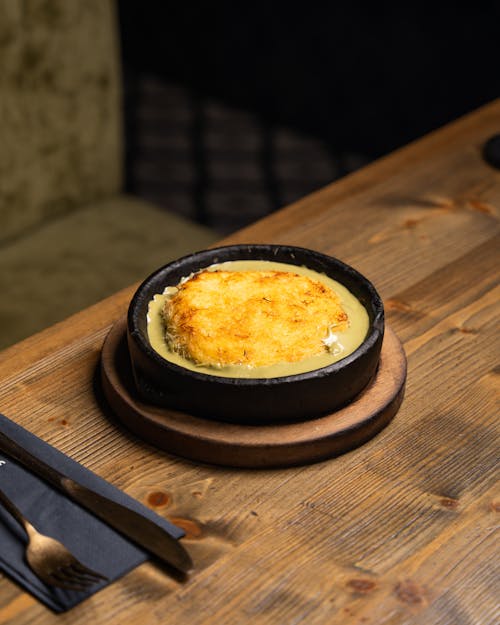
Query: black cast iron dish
x: 255, y: 400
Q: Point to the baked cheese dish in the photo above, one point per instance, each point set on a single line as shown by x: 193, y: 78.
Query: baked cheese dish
x: 256, y: 319
x: 252, y: 318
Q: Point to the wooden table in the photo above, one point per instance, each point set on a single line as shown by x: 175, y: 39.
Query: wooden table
x: 400, y: 530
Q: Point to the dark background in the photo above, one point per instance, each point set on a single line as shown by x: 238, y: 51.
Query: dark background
x: 351, y: 81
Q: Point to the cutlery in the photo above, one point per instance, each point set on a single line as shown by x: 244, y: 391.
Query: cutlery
x: 126, y: 521
x: 49, y: 559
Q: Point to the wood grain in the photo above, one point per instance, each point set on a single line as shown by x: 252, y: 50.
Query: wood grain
x: 268, y: 445
x: 399, y: 531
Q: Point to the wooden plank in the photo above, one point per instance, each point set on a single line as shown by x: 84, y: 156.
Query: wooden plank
x: 401, y: 530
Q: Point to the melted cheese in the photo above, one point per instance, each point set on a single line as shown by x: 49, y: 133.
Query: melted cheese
x: 298, y: 323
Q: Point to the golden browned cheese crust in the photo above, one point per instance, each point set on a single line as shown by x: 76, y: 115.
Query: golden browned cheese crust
x: 253, y: 318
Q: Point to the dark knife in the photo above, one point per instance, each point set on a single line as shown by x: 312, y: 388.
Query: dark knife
x: 126, y: 521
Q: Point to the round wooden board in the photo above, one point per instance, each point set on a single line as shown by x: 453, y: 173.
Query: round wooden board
x: 275, y: 445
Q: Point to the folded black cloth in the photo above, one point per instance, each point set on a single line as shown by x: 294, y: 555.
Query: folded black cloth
x: 93, y: 542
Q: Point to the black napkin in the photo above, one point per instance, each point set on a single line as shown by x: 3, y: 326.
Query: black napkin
x: 93, y: 542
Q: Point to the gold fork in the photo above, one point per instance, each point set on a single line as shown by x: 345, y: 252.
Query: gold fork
x: 49, y: 559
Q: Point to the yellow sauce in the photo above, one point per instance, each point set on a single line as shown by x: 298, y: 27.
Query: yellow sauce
x: 337, y: 345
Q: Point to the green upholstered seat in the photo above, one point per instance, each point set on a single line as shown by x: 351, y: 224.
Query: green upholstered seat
x: 75, y: 260
x: 68, y: 235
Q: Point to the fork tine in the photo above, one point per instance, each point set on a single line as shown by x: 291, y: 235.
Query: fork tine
x: 84, y: 578
x: 61, y: 581
x: 85, y: 572
x: 69, y: 575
